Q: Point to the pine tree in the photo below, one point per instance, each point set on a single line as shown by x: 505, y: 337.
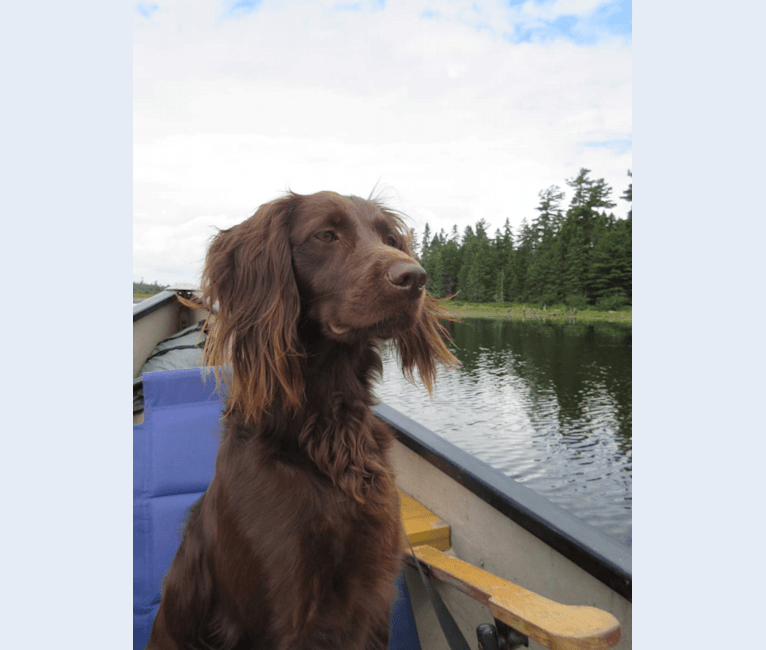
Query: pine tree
x: 501, y: 247
x: 627, y: 195
x: 550, y: 216
x: 450, y: 261
x: 573, y: 251
x: 610, y: 281
x: 579, y: 233
x: 544, y: 273
x: 466, y: 259
x: 504, y: 262
x: 425, y: 248
x: 481, y: 270
x: 522, y: 260
x: 611, y: 272
x: 432, y: 262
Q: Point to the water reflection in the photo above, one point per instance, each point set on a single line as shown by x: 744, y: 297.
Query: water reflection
x: 547, y: 404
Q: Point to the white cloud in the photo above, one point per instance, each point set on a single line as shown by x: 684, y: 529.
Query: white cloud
x: 456, y: 121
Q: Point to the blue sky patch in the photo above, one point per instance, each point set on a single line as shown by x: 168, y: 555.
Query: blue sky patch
x: 612, y: 18
x: 618, y: 146
x: 616, y: 17
x: 240, y: 8
x: 146, y: 9
x: 375, y: 5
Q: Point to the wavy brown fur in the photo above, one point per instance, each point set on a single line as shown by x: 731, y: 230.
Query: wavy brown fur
x: 248, y: 273
x: 296, y: 543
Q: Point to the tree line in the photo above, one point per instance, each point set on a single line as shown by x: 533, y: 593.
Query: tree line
x: 578, y: 257
x: 144, y: 287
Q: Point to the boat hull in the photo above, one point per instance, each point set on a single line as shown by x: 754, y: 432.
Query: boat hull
x: 496, y: 524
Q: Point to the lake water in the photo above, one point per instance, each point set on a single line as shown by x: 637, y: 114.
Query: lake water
x: 549, y: 405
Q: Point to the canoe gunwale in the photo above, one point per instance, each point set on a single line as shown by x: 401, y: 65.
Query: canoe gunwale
x: 594, y: 551
x: 153, y: 303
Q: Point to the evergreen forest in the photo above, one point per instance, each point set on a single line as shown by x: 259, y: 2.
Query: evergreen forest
x: 579, y: 257
x: 148, y: 289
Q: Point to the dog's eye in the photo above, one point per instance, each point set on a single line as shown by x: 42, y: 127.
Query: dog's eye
x: 391, y: 240
x: 326, y: 236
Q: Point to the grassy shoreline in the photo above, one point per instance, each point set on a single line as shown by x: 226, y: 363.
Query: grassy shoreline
x: 559, y: 313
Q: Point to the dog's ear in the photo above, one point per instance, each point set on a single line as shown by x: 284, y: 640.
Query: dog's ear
x: 249, y: 287
x: 423, y: 345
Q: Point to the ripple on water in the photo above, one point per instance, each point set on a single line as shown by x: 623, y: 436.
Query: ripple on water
x: 565, y: 440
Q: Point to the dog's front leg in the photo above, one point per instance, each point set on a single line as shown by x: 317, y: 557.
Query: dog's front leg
x: 187, y: 593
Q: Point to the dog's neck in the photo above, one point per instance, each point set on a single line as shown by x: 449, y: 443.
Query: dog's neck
x: 338, y: 393
x: 339, y: 380
x: 338, y: 369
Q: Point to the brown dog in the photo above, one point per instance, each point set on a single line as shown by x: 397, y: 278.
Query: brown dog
x: 296, y: 543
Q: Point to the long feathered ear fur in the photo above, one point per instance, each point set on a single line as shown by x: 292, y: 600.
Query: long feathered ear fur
x: 249, y: 274
x: 423, y: 345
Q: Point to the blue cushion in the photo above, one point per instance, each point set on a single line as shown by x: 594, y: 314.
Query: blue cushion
x: 174, y: 452
x: 404, y: 634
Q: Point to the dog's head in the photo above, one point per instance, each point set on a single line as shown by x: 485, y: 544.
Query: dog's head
x: 341, y: 263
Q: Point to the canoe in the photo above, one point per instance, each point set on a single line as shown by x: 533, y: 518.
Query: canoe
x: 494, y: 552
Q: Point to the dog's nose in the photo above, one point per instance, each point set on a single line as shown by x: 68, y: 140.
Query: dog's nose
x: 408, y: 276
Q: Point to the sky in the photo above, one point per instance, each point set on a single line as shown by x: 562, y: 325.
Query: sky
x: 544, y: 91
x: 454, y: 111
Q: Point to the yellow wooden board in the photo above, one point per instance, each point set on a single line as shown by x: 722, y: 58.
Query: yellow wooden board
x: 421, y: 525
x: 553, y: 625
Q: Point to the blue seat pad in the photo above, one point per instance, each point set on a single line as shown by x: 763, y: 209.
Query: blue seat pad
x: 174, y: 453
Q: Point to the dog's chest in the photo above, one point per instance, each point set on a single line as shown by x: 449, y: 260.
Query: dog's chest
x: 346, y: 532
x: 356, y: 558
